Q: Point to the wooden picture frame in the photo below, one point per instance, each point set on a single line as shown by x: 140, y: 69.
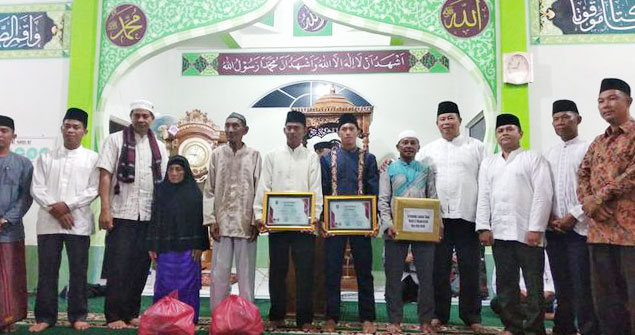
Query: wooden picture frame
x: 358, y: 217
x: 417, y: 219
x: 290, y: 218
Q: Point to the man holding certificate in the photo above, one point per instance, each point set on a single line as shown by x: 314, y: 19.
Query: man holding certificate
x: 514, y: 204
x: 291, y: 168
x: 350, y: 171
x: 406, y: 177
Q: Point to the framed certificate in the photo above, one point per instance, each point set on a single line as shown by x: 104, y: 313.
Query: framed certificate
x: 289, y: 210
x: 350, y: 215
x: 417, y: 219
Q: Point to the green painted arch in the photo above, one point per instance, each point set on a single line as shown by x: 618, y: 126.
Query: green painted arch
x: 115, y: 61
x: 485, y: 79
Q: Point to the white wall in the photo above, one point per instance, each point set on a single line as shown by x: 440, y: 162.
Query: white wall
x: 574, y: 72
x: 401, y: 101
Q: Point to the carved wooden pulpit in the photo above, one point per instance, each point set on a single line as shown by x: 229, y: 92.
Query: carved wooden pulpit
x: 322, y: 119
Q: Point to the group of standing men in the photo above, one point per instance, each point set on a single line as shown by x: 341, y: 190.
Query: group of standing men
x: 579, y: 198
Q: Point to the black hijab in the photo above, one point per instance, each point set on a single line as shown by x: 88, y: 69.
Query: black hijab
x: 177, y: 214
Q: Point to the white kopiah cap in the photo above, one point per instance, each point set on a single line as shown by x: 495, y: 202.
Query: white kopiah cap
x: 142, y: 104
x: 406, y: 133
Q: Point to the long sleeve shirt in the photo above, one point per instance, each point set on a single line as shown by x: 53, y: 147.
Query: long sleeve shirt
x: 401, y: 179
x: 608, y: 173
x: 456, y: 164
x: 514, y: 195
x: 564, y: 160
x: 134, y: 201
x: 69, y: 176
x: 286, y: 169
x: 347, y: 173
x: 228, y: 195
x: 15, y: 199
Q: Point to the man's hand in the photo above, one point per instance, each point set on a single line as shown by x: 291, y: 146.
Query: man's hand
x: 323, y: 231
x: 385, y: 164
x: 534, y: 238
x: 153, y: 255
x: 214, y: 232
x: 564, y: 224
x: 261, y: 226
x: 105, y: 220
x: 196, y: 255
x: 314, y: 228
x: 2, y: 222
x: 254, y: 233
x: 486, y: 238
x: 66, y: 221
x: 391, y: 232
x: 58, y: 209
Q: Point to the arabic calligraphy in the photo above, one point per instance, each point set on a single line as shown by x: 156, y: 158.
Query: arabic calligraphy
x: 465, y: 18
x: 592, y: 16
x: 20, y: 31
x: 309, y: 21
x: 126, y: 25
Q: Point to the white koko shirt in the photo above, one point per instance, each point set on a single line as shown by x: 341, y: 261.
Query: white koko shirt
x: 69, y: 176
x: 514, y: 195
x: 564, y: 161
x: 456, y: 165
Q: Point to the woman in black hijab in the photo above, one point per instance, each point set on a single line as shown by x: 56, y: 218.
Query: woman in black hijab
x: 176, y: 235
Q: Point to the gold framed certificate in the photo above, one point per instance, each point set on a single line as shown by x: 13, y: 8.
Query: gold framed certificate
x: 417, y: 219
x: 350, y: 214
x: 289, y: 210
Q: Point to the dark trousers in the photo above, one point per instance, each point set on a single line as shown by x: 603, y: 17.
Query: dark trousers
x: 334, y: 248
x: 510, y: 257
x: 394, y: 263
x: 302, y: 247
x: 460, y: 235
x: 613, y: 286
x: 569, y: 261
x: 127, y: 264
x: 49, y: 253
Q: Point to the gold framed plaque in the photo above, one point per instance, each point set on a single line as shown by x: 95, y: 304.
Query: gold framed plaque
x: 289, y: 211
x: 350, y: 214
x: 417, y: 219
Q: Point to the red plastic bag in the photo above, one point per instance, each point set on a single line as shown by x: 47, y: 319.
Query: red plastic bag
x: 236, y: 316
x: 168, y: 316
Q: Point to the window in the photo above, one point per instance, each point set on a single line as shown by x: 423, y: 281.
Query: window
x: 305, y: 93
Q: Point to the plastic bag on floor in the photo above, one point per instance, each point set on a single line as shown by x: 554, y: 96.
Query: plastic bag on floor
x: 236, y: 316
x: 168, y: 316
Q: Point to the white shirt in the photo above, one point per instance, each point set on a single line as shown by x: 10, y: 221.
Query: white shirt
x: 286, y: 169
x: 69, y: 176
x: 514, y: 195
x: 564, y: 160
x: 134, y: 200
x: 456, y: 164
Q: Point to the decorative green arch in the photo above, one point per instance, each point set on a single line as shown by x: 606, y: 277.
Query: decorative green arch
x: 421, y: 20
x: 169, y: 22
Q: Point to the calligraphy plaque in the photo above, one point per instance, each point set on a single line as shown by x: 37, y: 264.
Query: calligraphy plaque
x: 350, y: 215
x: 35, y: 30
x: 582, y: 21
x: 289, y: 210
x: 126, y: 25
x: 417, y: 219
x: 465, y: 18
x: 327, y: 62
x: 307, y: 23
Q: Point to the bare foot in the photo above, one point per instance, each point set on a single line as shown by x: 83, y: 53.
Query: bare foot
x: 436, y: 323
x: 428, y: 329
x: 134, y: 322
x: 477, y: 328
x: 273, y: 325
x: 329, y: 326
x: 119, y: 324
x: 505, y: 332
x: 368, y: 327
x: 8, y: 329
x: 81, y: 325
x: 394, y: 328
x: 306, y: 327
x: 38, y: 327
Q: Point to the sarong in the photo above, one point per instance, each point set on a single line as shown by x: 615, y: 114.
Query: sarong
x: 13, y: 295
x: 178, y: 271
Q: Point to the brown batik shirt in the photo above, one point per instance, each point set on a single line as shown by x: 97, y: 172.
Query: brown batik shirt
x: 608, y: 173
